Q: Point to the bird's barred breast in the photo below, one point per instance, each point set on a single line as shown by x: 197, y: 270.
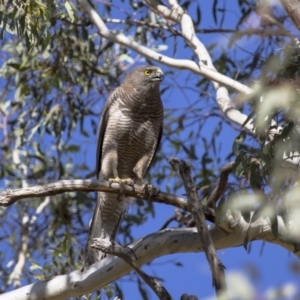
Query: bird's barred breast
x: 135, y: 138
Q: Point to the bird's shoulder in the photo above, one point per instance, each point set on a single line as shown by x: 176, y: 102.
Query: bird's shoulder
x: 117, y: 94
x: 119, y: 100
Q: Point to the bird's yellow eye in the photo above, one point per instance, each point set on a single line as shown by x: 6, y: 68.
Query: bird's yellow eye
x: 147, y: 72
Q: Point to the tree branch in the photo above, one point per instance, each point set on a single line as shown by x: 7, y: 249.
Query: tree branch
x: 182, y: 217
x: 147, y: 248
x: 216, y: 266
x: 9, y: 197
x: 220, y: 188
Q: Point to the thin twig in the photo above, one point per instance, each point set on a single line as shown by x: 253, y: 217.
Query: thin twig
x: 182, y: 217
x: 220, y: 188
x: 166, y: 224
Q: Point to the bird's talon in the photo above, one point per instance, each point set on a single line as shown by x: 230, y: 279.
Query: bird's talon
x: 129, y: 182
x: 111, y: 181
x: 121, y: 182
x: 148, y: 189
x: 117, y: 180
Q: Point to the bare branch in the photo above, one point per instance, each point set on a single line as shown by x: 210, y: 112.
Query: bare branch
x: 219, y: 190
x: 147, y: 248
x: 9, y: 197
x: 168, y: 221
x: 216, y: 266
x: 182, y: 217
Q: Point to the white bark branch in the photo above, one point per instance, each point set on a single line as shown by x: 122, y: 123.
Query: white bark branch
x: 230, y: 233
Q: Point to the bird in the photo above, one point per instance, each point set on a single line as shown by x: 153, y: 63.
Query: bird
x: 129, y: 134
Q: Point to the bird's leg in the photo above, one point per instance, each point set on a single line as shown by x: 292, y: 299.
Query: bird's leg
x: 148, y: 188
x: 119, y: 180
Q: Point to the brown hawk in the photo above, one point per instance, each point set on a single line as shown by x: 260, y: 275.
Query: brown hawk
x: 129, y: 134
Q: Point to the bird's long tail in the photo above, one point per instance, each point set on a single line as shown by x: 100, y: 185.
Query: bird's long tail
x: 105, y: 223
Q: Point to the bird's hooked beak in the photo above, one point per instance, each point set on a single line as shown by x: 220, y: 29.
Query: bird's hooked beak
x: 158, y: 76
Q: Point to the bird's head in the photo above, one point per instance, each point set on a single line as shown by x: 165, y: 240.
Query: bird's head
x: 145, y: 75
